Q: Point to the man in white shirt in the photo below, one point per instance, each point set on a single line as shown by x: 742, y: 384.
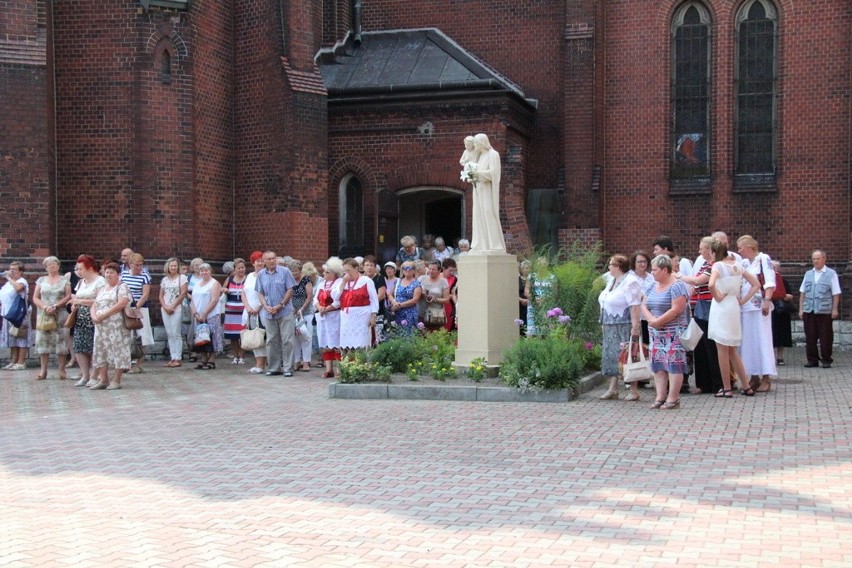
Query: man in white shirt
x: 819, y: 305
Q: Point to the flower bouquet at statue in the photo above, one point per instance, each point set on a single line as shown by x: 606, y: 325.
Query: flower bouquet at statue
x: 468, y: 174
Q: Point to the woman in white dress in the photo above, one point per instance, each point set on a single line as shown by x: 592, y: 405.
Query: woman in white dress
x: 757, y: 352
x: 327, y: 313
x: 251, y: 314
x: 724, y: 325
x: 359, y: 307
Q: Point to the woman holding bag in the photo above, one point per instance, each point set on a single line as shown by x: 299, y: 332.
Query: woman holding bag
x: 251, y: 314
x: 619, y: 304
x: 51, y: 294
x: 665, y: 309
x: 15, y: 285
x: 112, y: 338
x: 205, y: 311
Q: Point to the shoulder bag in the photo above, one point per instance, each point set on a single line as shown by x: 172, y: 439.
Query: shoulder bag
x: 132, y: 316
x: 253, y: 338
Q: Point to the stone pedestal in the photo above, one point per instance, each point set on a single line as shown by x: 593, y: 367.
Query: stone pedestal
x: 487, y: 308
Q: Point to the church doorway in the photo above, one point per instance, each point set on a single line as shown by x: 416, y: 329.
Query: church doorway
x: 435, y: 211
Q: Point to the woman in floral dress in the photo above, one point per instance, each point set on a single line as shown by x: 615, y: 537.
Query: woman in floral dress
x: 51, y: 294
x: 406, y: 296
x: 665, y: 309
x: 112, y: 338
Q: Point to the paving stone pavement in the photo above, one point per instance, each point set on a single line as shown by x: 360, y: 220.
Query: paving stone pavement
x: 184, y: 468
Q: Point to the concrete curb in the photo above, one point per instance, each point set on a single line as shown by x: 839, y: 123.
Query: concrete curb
x: 381, y: 391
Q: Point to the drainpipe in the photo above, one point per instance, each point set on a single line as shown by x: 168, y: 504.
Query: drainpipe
x: 356, y: 22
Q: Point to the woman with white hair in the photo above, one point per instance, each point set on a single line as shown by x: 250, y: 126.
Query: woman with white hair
x: 327, y: 312
x: 756, y: 350
x: 51, y: 294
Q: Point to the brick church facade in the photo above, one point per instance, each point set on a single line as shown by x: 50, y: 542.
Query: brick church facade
x: 213, y: 128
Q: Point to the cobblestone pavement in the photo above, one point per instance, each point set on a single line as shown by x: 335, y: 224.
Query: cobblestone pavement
x: 222, y: 468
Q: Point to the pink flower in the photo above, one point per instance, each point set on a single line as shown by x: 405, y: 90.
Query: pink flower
x: 565, y: 319
x: 421, y: 325
x: 519, y: 322
x: 403, y: 323
x: 589, y: 345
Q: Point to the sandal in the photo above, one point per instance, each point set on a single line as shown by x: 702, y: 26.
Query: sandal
x: 209, y: 365
x: 725, y: 393
x: 747, y: 392
x: 657, y: 404
x: 201, y: 366
x: 765, y: 385
x: 193, y: 359
x: 670, y: 405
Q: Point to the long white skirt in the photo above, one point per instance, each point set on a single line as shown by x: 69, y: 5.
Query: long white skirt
x: 355, y: 327
x: 328, y: 330
x: 756, y: 349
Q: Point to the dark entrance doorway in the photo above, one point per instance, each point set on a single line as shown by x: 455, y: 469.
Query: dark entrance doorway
x: 439, y: 212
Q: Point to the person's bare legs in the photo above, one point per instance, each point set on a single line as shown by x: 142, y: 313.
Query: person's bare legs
x: 661, y: 385
x: 85, y: 362
x: 116, y: 379
x: 42, y: 361
x: 61, y: 361
x: 675, y: 382
x: 102, y: 380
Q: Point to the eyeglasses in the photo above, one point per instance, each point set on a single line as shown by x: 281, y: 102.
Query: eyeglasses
x: 408, y: 268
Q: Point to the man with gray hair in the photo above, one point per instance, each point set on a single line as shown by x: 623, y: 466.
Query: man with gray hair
x: 275, y: 291
x: 819, y: 305
x: 464, y: 248
x: 441, y: 251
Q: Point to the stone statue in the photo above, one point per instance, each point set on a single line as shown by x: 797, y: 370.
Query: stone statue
x: 487, y: 232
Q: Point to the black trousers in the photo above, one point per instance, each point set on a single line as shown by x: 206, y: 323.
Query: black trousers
x: 707, y: 375
x: 818, y: 327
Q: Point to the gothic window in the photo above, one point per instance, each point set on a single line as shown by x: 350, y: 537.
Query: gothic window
x: 755, y: 89
x: 166, y: 67
x: 351, y: 215
x: 690, y: 93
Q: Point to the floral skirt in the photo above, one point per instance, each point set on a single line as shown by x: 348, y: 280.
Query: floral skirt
x: 614, y: 335
x: 667, y: 353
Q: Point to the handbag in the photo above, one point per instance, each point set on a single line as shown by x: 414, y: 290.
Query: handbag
x: 17, y: 312
x: 252, y: 338
x: 300, y: 328
x: 691, y: 335
x: 46, y: 322
x: 16, y: 331
x: 202, y: 334
x: 71, y: 320
x: 132, y: 318
x: 640, y: 370
x: 435, y: 315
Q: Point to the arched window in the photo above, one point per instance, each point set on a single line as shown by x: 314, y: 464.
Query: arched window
x: 755, y: 90
x: 351, y: 203
x: 166, y: 67
x: 690, y: 94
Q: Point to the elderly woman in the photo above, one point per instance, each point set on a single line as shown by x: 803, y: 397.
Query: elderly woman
x: 359, y: 307
x: 409, y: 250
x: 405, y: 298
x: 620, y: 304
x: 112, y: 338
x: 138, y: 282
x: 640, y: 265
x: 756, y: 350
x: 251, y: 301
x: 303, y: 302
x: 232, y: 290
x: 327, y: 312
x: 173, y: 288
x: 51, y: 294
x: 664, y: 307
x: 205, y: 310
x: 725, y: 322
x: 708, y: 378
x: 436, y: 290
x: 15, y: 285
x: 782, y: 332
x: 191, y: 280
x: 462, y: 249
x: 84, y: 296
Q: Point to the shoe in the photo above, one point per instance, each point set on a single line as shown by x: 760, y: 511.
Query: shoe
x: 18, y: 367
x: 9, y: 366
x: 632, y: 397
x: 177, y: 364
x: 211, y: 364
x: 91, y: 382
x: 113, y: 386
x: 235, y: 361
x: 670, y: 405
x: 193, y: 359
x: 98, y: 386
x: 609, y: 395
x: 273, y: 373
x: 200, y: 366
x: 826, y: 365
x: 241, y: 361
x: 765, y: 385
x: 41, y: 377
x: 754, y: 382
x: 747, y: 392
x: 811, y: 365
x: 305, y: 369
x: 725, y: 393
x: 657, y: 404
x: 81, y: 383
x: 288, y: 374
x: 135, y: 371
x: 780, y: 362
x: 256, y: 371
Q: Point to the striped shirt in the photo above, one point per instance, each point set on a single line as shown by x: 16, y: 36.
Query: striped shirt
x: 135, y: 283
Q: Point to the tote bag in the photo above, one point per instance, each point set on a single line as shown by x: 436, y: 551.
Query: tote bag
x: 636, y: 370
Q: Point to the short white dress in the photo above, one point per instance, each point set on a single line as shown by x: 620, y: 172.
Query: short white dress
x: 724, y: 325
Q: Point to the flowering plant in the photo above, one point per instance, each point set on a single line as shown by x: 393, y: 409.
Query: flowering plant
x: 468, y: 174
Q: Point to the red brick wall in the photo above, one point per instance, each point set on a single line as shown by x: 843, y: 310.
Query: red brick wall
x: 813, y: 117
x: 26, y: 191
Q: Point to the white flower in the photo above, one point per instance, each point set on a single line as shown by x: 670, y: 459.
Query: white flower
x: 468, y: 174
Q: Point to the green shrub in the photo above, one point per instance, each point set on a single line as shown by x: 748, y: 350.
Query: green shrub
x: 549, y: 362
x: 397, y: 353
x: 354, y: 368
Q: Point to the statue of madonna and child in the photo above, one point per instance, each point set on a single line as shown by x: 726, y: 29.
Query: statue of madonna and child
x: 481, y: 167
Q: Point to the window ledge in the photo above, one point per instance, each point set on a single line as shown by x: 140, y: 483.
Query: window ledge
x: 172, y: 4
x: 755, y: 183
x: 690, y: 186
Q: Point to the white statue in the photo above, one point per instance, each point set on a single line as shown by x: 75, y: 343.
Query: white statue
x: 470, y: 154
x: 487, y: 232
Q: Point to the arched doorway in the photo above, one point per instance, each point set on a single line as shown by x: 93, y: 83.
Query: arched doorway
x: 434, y: 210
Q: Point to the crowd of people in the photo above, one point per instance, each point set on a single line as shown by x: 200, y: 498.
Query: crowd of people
x: 739, y: 300
x: 97, y: 317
